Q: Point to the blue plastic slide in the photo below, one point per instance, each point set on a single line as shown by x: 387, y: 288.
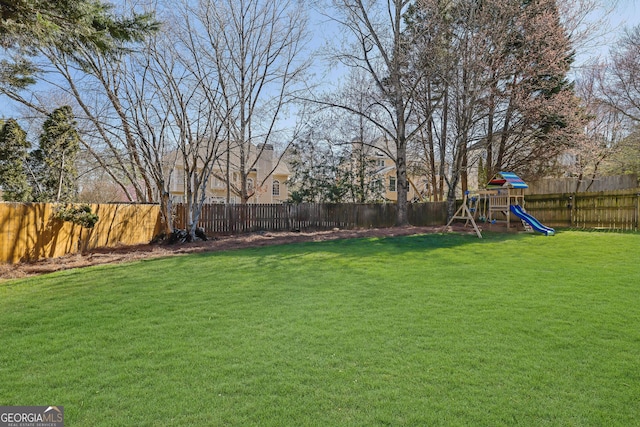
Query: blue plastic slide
x: 534, y: 223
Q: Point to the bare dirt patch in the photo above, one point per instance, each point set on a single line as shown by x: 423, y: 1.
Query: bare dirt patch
x: 253, y: 240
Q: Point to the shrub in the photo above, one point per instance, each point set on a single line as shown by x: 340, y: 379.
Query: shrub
x: 80, y: 215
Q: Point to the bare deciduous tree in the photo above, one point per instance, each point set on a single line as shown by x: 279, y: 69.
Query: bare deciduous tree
x: 614, y: 89
x: 174, y: 111
x: 603, y: 130
x: 257, y: 49
x: 499, y: 91
x: 620, y: 77
x: 379, y: 45
x: 93, y: 83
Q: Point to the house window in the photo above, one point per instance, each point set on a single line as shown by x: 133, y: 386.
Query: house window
x: 249, y: 184
x: 177, y: 182
x: 380, y: 163
x: 392, y: 183
x: 217, y: 183
x: 276, y: 188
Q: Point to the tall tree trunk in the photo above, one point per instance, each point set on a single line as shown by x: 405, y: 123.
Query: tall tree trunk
x: 60, y: 179
x: 227, y: 171
x: 489, y: 171
x: 402, y: 185
x: 451, y: 195
x: 443, y: 142
x: 166, y: 226
x: 464, y: 173
x: 505, y: 131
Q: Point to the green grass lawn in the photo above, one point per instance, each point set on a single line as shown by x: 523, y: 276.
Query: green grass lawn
x: 419, y: 331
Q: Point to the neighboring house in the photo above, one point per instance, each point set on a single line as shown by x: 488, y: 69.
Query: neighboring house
x: 381, y: 152
x: 266, y: 182
x: 380, y: 164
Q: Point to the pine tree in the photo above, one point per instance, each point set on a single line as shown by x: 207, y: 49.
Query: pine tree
x: 69, y: 26
x: 59, y: 146
x: 13, y: 154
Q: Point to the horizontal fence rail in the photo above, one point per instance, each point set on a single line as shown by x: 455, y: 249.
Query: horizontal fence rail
x: 219, y: 219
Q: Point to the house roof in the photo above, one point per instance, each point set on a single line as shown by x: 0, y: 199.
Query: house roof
x: 385, y: 170
x: 281, y: 169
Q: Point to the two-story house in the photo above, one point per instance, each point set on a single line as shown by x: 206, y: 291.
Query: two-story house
x: 379, y: 157
x: 266, y: 178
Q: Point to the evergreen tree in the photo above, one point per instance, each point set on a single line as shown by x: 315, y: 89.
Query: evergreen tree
x: 59, y: 146
x: 316, y: 174
x: 69, y: 25
x: 13, y: 154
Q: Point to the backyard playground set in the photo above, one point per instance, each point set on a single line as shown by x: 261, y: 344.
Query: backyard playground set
x: 504, y: 195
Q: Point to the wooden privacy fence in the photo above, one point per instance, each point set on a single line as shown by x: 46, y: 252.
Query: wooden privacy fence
x: 618, y: 210
x: 573, y: 185
x: 30, y: 231
x: 236, y: 219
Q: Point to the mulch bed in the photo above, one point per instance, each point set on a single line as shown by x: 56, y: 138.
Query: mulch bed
x: 253, y: 240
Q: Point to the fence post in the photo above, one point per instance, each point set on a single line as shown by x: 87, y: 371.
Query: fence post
x: 637, y: 211
x: 572, y: 206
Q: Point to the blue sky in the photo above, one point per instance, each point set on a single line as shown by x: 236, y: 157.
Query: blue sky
x: 627, y: 13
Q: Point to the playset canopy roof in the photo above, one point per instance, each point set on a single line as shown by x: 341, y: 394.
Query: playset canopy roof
x: 506, y: 180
